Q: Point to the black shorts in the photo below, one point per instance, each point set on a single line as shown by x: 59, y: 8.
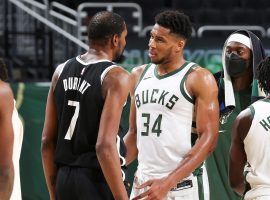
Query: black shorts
x: 74, y: 183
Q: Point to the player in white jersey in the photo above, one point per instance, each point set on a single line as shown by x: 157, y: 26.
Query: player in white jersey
x: 166, y: 92
x: 249, y: 167
x: 6, y: 136
x: 18, y: 139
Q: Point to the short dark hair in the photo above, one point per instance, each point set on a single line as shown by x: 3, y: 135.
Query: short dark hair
x: 103, y: 25
x: 263, y: 75
x: 3, y: 71
x: 176, y: 21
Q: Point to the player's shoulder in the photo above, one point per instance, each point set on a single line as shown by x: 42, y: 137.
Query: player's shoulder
x: 6, y: 94
x: 201, y: 74
x: 5, y: 90
x: 137, y: 71
x: 58, y: 71
x: 200, y: 71
x: 244, y: 117
x: 116, y: 75
x: 117, y: 71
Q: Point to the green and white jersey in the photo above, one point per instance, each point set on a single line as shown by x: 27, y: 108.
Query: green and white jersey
x: 164, y: 119
x: 257, y: 147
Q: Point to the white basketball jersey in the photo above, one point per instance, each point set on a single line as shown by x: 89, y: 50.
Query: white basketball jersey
x: 18, y: 139
x: 257, y: 147
x: 164, y: 119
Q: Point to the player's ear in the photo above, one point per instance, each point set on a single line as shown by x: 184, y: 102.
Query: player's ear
x: 180, y: 45
x: 115, y: 40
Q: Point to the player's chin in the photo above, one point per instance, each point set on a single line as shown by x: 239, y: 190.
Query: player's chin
x: 154, y: 60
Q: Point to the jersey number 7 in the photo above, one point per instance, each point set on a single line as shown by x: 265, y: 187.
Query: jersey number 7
x: 74, y: 118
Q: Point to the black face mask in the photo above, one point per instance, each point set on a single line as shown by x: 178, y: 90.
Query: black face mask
x: 235, y: 65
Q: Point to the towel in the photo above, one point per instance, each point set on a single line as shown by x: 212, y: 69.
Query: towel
x: 226, y: 92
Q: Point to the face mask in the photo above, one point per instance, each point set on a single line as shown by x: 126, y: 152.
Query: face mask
x: 235, y: 65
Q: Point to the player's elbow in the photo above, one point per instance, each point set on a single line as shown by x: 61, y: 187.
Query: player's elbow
x: 213, y: 144
x: 210, y: 139
x: 6, y: 178
x: 237, y: 187
x: 46, y: 145
x: 236, y: 182
x: 104, y: 148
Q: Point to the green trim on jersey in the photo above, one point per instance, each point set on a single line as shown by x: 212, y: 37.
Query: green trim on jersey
x: 182, y: 90
x: 266, y: 100
x: 170, y: 73
x: 200, y: 187
x: 252, y: 110
x: 142, y: 75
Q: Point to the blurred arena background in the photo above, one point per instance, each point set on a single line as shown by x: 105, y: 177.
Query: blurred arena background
x: 37, y: 35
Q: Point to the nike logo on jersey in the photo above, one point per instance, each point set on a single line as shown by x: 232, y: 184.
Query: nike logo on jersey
x: 147, y: 77
x: 82, y: 72
x: 75, y: 83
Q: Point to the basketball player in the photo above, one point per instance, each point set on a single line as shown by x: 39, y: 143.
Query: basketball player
x: 165, y: 94
x: 6, y: 136
x: 17, y: 145
x: 249, y: 153
x: 80, y: 145
x: 242, y: 52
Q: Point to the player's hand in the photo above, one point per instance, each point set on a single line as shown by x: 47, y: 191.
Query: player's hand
x: 158, y: 189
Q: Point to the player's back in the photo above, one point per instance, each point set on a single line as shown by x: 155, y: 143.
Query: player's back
x: 79, y: 102
x: 257, y: 147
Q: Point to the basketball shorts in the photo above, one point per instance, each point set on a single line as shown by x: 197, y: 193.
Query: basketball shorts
x: 82, y: 184
x: 262, y: 198
x: 191, y: 188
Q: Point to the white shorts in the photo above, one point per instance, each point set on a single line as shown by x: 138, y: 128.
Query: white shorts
x: 188, y: 190
x: 262, y: 198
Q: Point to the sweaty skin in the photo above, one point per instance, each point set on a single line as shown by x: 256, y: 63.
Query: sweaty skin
x: 6, y: 141
x: 166, y: 50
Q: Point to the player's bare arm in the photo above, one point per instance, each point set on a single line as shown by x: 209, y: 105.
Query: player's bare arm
x: 49, y: 138
x: 6, y: 141
x: 202, y: 86
x: 131, y: 136
x: 115, y: 89
x: 238, y: 156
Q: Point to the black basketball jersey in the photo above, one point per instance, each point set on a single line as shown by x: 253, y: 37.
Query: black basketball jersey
x: 79, y: 103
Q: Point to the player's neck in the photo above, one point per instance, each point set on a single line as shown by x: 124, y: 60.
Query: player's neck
x: 242, y: 82
x: 94, y: 54
x: 170, y: 66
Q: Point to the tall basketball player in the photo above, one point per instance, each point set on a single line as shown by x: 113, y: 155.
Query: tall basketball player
x: 17, y: 143
x: 6, y: 136
x: 80, y: 142
x: 249, y: 153
x: 170, y: 96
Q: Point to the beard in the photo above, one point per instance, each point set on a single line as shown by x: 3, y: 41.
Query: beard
x: 158, y: 61
x: 120, y: 57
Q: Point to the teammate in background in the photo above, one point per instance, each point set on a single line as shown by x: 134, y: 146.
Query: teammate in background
x: 249, y: 153
x: 80, y: 142
x: 238, y: 87
x: 167, y: 95
x: 17, y: 141
x: 6, y: 136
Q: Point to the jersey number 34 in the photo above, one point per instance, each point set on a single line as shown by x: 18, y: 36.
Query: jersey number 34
x: 156, y: 126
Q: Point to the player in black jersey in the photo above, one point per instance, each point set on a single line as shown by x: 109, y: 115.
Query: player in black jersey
x: 80, y: 142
